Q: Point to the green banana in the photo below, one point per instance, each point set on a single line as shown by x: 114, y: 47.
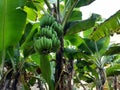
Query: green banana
x: 50, y: 41
x: 48, y: 44
x: 44, y: 41
x: 46, y: 20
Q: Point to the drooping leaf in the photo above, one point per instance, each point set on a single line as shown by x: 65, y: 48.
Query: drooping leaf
x: 114, y: 49
x: 78, y: 26
x: 84, y: 2
x: 12, y: 22
x: 110, y: 26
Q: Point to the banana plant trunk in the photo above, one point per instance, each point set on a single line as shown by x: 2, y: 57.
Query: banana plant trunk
x: 102, y: 79
x: 63, y: 71
x: 59, y: 83
x: 71, y: 73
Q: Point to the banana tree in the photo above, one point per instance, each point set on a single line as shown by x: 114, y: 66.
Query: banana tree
x: 64, y: 16
x: 41, y: 29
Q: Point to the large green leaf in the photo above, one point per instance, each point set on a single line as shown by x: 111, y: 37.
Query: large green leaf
x: 77, y: 26
x: 110, y: 26
x: 12, y: 22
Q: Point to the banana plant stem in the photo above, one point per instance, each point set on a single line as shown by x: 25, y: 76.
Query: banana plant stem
x: 69, y: 12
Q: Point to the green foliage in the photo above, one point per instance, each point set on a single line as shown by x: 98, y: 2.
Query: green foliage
x: 90, y: 46
x: 113, y: 49
x: 113, y: 70
x: 85, y: 69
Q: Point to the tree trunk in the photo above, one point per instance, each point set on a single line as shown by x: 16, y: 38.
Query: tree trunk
x: 102, y: 78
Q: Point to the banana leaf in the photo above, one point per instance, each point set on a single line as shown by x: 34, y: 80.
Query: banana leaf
x: 110, y: 26
x: 12, y: 22
x: 81, y: 25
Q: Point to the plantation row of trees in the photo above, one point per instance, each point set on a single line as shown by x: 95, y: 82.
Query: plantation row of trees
x: 46, y: 43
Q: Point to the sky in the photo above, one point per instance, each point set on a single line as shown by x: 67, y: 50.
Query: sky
x: 105, y: 8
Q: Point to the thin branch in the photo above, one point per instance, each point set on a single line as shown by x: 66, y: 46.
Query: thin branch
x: 81, y: 82
x: 48, y: 4
x: 69, y: 12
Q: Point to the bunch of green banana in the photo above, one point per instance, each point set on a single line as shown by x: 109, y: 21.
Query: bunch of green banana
x: 46, y: 20
x: 47, y: 39
x: 43, y: 45
x: 58, y: 28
